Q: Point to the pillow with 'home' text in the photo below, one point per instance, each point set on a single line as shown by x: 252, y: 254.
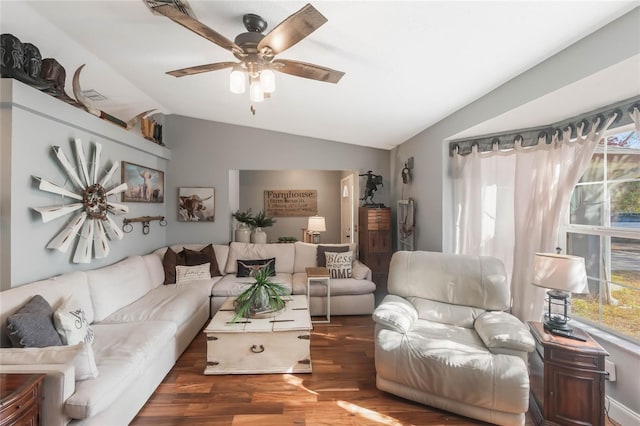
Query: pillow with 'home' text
x: 339, y: 264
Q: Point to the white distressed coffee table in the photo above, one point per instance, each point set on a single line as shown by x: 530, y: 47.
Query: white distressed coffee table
x: 279, y: 344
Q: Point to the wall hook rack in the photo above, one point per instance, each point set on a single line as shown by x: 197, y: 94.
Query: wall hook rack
x: 146, y: 220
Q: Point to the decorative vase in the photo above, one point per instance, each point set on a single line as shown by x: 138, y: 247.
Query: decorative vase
x: 243, y: 233
x: 259, y: 236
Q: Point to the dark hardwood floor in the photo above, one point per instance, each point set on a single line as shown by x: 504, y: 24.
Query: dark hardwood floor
x: 340, y: 391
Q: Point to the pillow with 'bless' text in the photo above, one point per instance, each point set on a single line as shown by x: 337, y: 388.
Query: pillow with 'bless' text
x: 339, y: 264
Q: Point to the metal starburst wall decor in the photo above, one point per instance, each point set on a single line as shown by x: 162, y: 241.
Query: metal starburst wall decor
x: 91, y: 209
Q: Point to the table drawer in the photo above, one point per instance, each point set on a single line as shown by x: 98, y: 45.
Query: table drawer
x: 258, y: 353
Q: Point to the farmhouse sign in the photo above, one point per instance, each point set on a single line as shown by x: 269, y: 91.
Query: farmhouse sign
x: 291, y: 202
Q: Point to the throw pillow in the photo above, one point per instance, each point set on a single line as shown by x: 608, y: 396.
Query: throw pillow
x: 170, y: 260
x: 185, y: 274
x: 206, y: 255
x: 80, y: 356
x: 360, y: 271
x: 32, y: 325
x: 339, y: 264
x: 71, y: 323
x: 321, y: 250
x: 247, y: 268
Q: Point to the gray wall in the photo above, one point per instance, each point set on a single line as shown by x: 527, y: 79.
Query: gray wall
x: 36, y: 122
x: 431, y: 187
x: 206, y: 153
x: 326, y: 183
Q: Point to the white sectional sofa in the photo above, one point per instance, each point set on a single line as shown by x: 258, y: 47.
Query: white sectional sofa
x: 141, y: 326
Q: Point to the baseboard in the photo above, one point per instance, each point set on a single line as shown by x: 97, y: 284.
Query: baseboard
x: 621, y: 414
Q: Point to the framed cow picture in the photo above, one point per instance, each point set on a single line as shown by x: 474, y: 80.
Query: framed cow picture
x: 196, y: 205
x: 144, y: 184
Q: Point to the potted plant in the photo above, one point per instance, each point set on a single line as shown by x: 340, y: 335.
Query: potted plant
x: 245, y: 220
x: 259, y: 221
x: 263, y: 297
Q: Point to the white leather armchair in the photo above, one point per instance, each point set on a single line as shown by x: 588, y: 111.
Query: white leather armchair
x: 443, y: 338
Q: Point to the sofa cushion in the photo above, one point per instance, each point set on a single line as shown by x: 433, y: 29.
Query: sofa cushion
x: 71, y: 323
x: 230, y: 285
x: 166, y: 303
x: 80, y: 356
x: 115, y: 286
x: 170, y: 260
x: 339, y: 287
x: 185, y: 274
x: 155, y: 269
x: 32, y: 325
x: 122, y: 353
x: 284, y: 254
x: 205, y: 255
x: 339, y: 264
x: 248, y: 268
x: 55, y: 290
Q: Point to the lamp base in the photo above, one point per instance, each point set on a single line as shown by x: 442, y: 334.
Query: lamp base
x: 556, y: 317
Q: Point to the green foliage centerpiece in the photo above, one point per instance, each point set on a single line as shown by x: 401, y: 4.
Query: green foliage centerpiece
x: 262, y: 298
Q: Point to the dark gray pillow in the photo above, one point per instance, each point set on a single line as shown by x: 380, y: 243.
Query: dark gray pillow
x: 320, y: 257
x: 32, y: 325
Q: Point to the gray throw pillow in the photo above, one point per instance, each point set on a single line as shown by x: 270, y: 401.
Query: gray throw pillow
x: 31, y: 326
x: 321, y: 260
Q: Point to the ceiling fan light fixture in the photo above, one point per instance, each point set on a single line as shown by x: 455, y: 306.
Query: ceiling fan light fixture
x: 268, y: 81
x: 237, y: 81
x: 256, y: 94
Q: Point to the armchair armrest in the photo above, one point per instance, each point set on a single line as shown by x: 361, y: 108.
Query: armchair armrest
x: 502, y: 332
x: 395, y: 313
x: 59, y: 384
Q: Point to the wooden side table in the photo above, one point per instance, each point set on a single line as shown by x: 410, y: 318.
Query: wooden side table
x: 322, y: 275
x: 20, y: 396
x: 566, y: 379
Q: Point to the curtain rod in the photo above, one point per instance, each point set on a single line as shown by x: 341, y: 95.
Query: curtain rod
x: 530, y: 136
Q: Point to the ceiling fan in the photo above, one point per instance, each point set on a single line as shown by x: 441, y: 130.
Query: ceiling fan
x: 254, y: 50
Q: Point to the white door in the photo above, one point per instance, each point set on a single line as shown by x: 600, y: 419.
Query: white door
x: 346, y: 209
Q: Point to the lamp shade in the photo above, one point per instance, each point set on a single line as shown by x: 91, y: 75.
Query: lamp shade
x: 316, y: 224
x: 560, y: 272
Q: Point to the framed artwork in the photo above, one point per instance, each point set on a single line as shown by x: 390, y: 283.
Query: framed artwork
x: 144, y: 185
x: 196, y: 205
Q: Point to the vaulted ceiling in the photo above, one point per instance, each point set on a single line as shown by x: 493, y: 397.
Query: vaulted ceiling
x: 408, y: 64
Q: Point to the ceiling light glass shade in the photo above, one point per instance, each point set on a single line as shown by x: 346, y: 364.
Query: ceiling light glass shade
x: 268, y: 81
x: 560, y: 272
x: 316, y: 224
x: 237, y: 81
x: 255, y: 92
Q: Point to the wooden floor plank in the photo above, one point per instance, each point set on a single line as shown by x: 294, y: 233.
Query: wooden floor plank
x: 340, y: 391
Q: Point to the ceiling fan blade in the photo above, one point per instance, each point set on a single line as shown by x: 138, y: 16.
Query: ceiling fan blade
x: 201, y: 68
x: 305, y: 70
x: 293, y: 29
x: 197, y: 27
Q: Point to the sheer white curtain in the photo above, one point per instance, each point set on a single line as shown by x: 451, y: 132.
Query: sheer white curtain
x: 509, y: 204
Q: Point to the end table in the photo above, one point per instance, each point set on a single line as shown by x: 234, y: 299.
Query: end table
x: 20, y: 396
x: 566, y: 379
x: 319, y: 275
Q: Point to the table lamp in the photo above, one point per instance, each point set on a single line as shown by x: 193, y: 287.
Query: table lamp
x: 315, y: 226
x: 562, y: 274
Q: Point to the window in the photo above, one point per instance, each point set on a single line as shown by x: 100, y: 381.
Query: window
x: 604, y: 228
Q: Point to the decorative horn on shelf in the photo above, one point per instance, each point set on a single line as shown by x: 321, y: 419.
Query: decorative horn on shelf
x: 146, y: 220
x: 82, y: 100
